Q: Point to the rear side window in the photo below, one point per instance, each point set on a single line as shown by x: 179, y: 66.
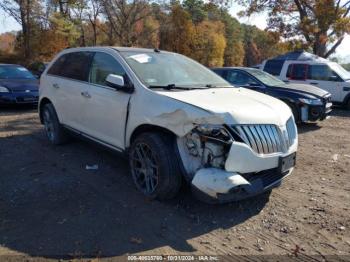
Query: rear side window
x: 297, y: 71
x: 103, y: 65
x: 73, y: 65
x: 56, y: 68
x: 273, y: 67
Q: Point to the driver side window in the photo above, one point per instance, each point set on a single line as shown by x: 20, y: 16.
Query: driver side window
x: 102, y: 65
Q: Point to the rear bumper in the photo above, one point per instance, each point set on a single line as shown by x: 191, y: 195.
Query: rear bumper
x: 19, y: 98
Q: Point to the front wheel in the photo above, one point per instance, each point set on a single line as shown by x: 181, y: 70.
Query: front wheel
x: 347, y: 105
x: 154, y: 166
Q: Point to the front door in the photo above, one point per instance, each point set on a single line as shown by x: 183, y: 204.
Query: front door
x: 322, y: 76
x: 106, y: 109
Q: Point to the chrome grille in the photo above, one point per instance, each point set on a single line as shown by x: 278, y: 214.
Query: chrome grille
x: 267, y: 139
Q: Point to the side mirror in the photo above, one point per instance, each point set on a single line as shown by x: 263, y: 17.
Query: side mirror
x: 117, y: 82
x: 334, y: 78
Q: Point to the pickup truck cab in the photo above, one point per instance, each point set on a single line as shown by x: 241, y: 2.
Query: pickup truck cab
x: 306, y: 68
x: 174, y: 118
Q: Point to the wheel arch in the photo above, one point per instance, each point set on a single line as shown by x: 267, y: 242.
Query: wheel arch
x: 148, y: 128
x: 44, y: 101
x: 346, y: 99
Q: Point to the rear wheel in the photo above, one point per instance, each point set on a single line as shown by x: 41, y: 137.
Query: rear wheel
x: 54, y: 130
x: 154, y: 166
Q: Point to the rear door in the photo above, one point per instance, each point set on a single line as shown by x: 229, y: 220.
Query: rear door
x: 68, y: 79
x: 297, y: 73
x: 105, y: 108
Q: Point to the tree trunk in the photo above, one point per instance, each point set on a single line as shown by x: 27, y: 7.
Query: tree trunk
x: 24, y: 6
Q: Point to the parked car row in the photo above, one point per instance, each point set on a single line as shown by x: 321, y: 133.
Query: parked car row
x: 305, y: 68
x: 17, y: 85
x: 308, y: 103
x: 176, y: 119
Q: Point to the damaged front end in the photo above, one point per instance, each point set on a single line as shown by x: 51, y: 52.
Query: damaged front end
x: 227, y: 163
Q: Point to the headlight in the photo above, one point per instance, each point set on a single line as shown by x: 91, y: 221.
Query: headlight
x: 4, y: 89
x: 314, y: 102
x: 214, y: 131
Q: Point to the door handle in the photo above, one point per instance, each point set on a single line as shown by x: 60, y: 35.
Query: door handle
x: 85, y: 94
x: 56, y: 86
x: 314, y: 83
x: 286, y: 81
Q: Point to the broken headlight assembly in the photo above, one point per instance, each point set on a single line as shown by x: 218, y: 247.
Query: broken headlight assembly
x: 205, y: 146
x: 213, y: 133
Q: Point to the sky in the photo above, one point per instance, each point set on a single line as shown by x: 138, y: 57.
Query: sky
x: 7, y: 23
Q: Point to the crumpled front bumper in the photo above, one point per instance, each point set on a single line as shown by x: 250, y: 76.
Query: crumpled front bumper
x: 315, y: 113
x: 246, y: 174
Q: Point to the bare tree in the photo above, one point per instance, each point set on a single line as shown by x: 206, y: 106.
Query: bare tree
x: 123, y: 15
x: 95, y: 9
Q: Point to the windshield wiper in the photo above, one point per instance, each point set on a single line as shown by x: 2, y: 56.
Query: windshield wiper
x: 171, y: 86
x: 215, y: 86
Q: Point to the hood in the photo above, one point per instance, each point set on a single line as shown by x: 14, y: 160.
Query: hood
x: 20, y: 85
x: 236, y: 105
x: 304, y: 88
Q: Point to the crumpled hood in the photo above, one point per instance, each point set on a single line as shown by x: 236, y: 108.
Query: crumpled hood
x: 304, y: 88
x: 20, y: 85
x: 236, y: 105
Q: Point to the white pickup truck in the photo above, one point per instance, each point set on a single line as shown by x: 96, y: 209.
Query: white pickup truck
x: 174, y: 118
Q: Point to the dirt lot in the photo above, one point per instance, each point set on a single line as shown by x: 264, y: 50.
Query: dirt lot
x: 52, y: 207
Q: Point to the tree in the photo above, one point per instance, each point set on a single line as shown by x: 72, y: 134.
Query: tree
x: 123, y: 15
x: 7, y: 42
x: 177, y: 31
x: 95, y: 9
x: 322, y: 23
x: 234, y: 51
x: 209, y: 43
x: 25, y: 12
x: 196, y: 9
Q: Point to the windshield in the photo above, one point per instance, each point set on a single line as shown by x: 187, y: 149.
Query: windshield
x: 345, y: 75
x: 266, y: 78
x: 15, y: 72
x: 159, y: 69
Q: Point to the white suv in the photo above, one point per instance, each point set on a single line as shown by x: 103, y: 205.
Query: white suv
x: 175, y: 119
x: 304, y: 68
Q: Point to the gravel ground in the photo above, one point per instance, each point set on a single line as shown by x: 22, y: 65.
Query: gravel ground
x: 52, y: 207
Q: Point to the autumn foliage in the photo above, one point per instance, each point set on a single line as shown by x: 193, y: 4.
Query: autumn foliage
x: 199, y: 29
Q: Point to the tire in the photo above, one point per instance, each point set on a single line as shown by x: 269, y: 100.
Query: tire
x: 55, y: 132
x: 295, y: 112
x: 347, y: 105
x: 154, y: 166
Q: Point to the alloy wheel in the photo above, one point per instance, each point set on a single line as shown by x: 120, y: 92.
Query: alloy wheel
x: 144, y: 168
x: 49, y: 125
